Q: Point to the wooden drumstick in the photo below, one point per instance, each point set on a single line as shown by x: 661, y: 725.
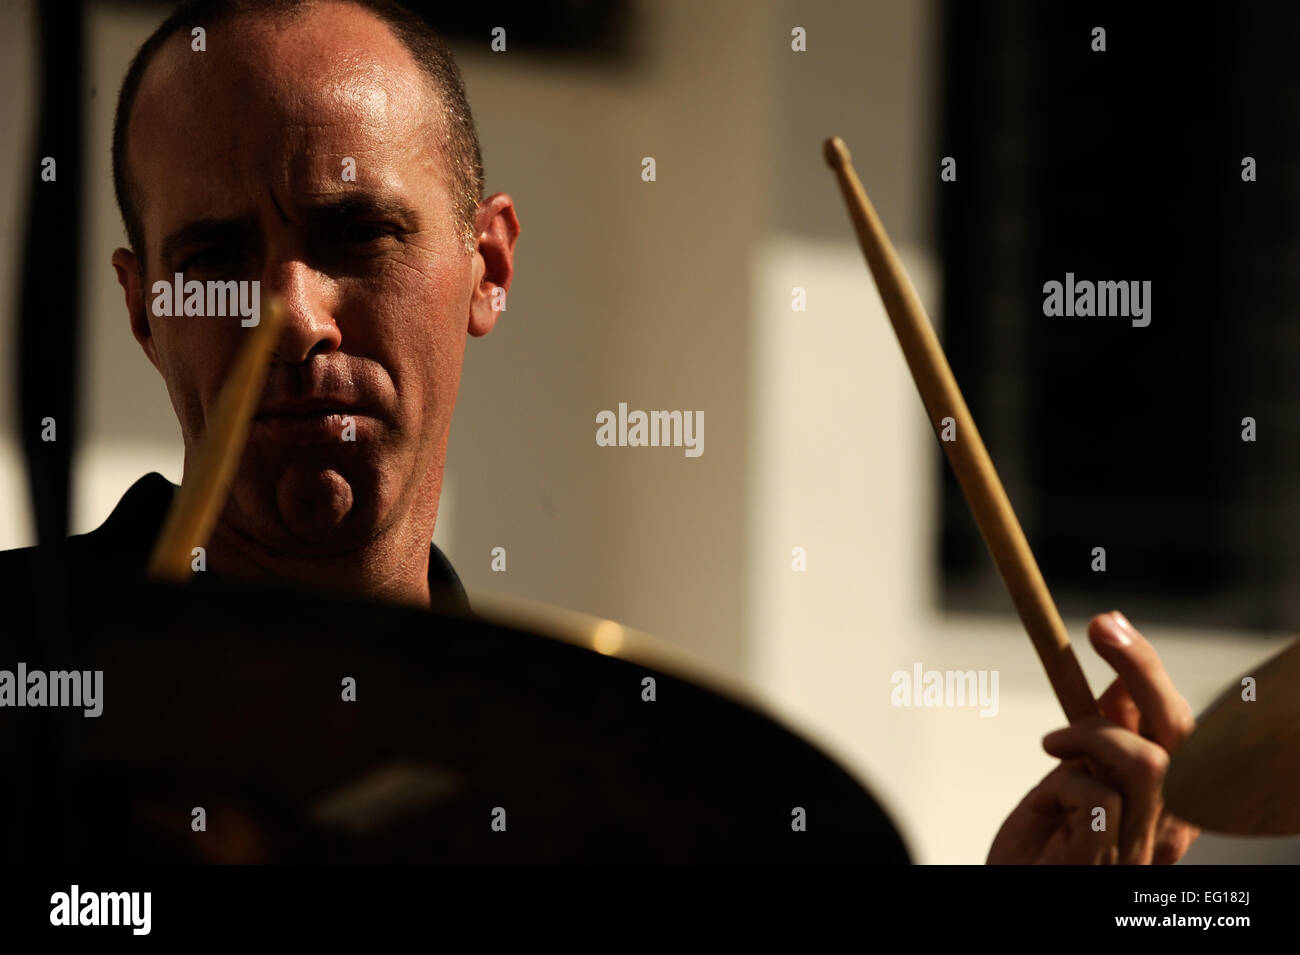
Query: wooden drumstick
x: 198, y: 503
x: 969, y: 458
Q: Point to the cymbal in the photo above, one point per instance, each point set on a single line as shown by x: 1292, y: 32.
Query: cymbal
x: 468, y: 740
x: 1239, y: 770
x: 610, y: 638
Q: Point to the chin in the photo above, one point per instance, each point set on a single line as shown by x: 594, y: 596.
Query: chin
x: 310, y: 507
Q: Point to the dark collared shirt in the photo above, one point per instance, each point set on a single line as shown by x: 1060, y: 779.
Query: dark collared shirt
x: 123, y: 543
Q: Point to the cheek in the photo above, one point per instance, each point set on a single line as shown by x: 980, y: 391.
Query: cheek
x: 195, y: 355
x: 445, y: 329
x: 418, y: 333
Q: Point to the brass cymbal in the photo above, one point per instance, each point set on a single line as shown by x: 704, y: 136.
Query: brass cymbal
x: 1239, y: 771
x: 241, y: 725
x: 609, y: 638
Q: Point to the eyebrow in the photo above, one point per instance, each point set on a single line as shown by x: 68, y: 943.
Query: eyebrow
x: 363, y: 206
x: 346, y: 207
x: 207, y: 230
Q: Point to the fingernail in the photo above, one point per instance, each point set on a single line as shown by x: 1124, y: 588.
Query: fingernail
x: 1116, y: 633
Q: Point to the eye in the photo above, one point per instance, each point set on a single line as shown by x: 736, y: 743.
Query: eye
x: 366, y: 233
x: 215, y: 257
x: 206, y: 259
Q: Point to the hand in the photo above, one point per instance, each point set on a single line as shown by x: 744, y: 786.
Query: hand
x: 1143, y: 720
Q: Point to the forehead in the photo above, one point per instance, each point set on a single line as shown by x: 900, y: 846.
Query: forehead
x: 276, y: 103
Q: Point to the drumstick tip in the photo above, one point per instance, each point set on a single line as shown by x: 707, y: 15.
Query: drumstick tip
x: 837, y: 154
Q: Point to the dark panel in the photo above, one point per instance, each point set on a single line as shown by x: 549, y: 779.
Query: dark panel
x: 1120, y: 166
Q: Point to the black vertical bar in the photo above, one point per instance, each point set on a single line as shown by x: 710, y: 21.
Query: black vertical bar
x: 47, y: 373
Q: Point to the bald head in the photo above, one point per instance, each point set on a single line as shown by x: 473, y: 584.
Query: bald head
x: 239, y: 35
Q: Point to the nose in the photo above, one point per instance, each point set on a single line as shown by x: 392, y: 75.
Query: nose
x: 309, y: 326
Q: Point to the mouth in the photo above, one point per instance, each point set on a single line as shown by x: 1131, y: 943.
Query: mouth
x: 319, y: 424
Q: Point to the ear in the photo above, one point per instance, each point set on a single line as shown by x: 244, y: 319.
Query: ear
x: 129, y: 277
x: 497, y: 228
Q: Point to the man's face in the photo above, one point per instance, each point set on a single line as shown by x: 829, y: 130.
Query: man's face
x: 238, y: 155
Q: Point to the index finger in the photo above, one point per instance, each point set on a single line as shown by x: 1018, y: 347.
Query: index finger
x: 1164, y: 710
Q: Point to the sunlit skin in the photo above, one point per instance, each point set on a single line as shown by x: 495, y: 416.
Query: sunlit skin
x: 1143, y: 720
x: 237, y: 156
